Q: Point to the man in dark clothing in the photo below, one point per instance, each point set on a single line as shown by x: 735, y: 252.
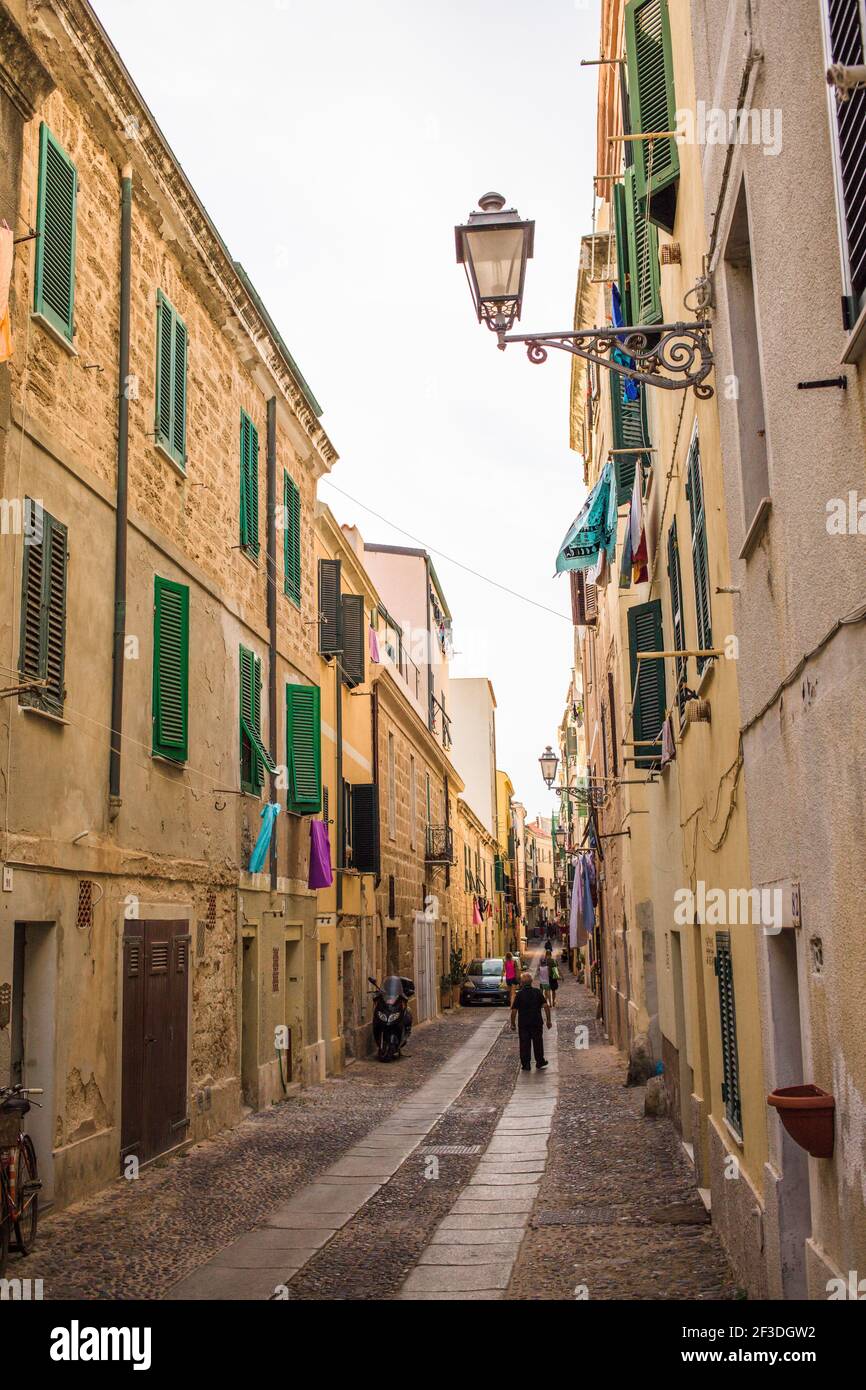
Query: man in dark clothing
x: 529, y: 1004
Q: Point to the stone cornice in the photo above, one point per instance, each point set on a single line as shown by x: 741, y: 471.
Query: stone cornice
x: 22, y: 76
x: 70, y: 28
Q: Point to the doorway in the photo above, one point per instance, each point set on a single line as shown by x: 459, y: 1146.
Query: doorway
x: 250, y: 1022
x: 34, y: 983
x: 683, y: 1100
x: 294, y: 1004
x: 325, y: 1007
x: 795, y: 1207
x: 155, y: 1023
x: 348, y: 1004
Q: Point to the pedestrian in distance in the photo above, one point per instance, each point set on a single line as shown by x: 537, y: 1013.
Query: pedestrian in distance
x: 529, y: 1010
x: 544, y: 975
x: 510, y: 976
x: 553, y: 976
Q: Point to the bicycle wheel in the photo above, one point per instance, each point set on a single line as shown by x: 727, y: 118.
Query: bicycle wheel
x: 25, y: 1227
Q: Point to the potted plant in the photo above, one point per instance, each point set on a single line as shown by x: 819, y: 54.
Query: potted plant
x: 445, y: 992
x: 807, y: 1114
x: 456, y: 976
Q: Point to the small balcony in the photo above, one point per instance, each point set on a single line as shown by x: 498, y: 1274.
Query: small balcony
x: 439, y: 845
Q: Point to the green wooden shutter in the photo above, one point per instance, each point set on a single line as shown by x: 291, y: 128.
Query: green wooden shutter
x: 249, y: 485
x: 623, y: 268
x: 304, y: 748
x: 254, y: 755
x: 171, y: 388
x: 629, y: 432
x: 700, y: 561
x: 54, y: 287
x: 354, y: 624
x: 724, y: 968
x: 170, y: 669
x: 643, y: 258
x: 43, y: 609
x: 652, y: 105
x: 365, y: 827
x: 645, y: 634
x: 291, y: 539
x: 678, y: 617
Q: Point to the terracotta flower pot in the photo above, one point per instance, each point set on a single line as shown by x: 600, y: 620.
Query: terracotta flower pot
x: 807, y: 1114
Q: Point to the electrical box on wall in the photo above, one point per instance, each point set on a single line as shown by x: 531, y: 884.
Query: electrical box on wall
x: 7, y: 878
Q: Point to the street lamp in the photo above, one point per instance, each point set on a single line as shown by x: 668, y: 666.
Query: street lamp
x: 548, y: 761
x: 561, y: 837
x: 494, y: 246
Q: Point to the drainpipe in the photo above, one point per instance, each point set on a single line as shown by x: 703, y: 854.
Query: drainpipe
x: 374, y: 737
x: 272, y: 612
x: 338, y: 681
x: 114, y: 799
x: 429, y: 649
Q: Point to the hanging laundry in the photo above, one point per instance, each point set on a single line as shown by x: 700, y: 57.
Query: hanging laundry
x: 7, y: 252
x: 262, y: 845
x: 576, y: 931
x: 320, y: 875
x: 593, y: 529
x: 639, y: 552
x: 375, y: 656
x: 630, y: 389
x: 669, y: 748
x: 476, y: 915
x: 588, y: 908
x: 625, y: 565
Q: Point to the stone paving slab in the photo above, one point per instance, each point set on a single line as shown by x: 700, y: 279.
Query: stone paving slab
x: 458, y: 1278
x: 291, y: 1218
x: 212, y: 1281
x: 502, y: 1236
x: 461, y: 1253
x: 480, y: 1191
x: 484, y: 1177
x: 484, y: 1220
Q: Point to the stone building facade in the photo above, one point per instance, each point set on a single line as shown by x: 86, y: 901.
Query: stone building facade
x: 136, y: 941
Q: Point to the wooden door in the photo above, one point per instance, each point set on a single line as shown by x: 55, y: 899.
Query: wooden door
x: 155, y: 1008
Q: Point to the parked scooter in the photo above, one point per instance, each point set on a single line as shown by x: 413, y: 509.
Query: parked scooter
x: 392, y: 1021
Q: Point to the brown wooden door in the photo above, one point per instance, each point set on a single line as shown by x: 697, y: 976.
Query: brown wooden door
x: 155, y: 1005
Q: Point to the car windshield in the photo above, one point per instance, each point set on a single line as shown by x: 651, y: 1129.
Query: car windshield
x: 485, y: 967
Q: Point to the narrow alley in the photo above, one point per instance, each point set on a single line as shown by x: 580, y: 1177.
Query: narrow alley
x: 485, y: 1182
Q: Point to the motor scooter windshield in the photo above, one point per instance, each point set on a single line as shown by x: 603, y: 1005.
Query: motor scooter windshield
x: 392, y: 989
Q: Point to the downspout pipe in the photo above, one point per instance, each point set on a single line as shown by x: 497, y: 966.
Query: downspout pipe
x: 340, y: 817
x: 272, y: 612
x: 122, y: 508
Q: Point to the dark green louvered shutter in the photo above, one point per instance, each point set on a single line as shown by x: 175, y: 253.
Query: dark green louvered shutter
x: 724, y: 968
x: 645, y: 635
x: 254, y: 756
x: 330, y: 609
x: 304, y: 748
x: 249, y: 485
x: 678, y: 617
x: 171, y: 392
x: 170, y: 669
x: 354, y: 625
x: 43, y: 609
x: 700, y: 561
x: 630, y: 433
x: 54, y: 291
x: 643, y: 258
x: 291, y: 539
x: 653, y: 107
x: 365, y: 828
x: 622, y: 261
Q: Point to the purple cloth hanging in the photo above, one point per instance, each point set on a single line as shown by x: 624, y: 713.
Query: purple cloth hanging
x: 320, y: 856
x: 375, y: 656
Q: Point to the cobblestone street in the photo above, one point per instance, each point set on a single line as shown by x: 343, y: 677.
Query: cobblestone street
x: 607, y: 1202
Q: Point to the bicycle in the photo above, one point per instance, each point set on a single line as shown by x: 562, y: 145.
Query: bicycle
x: 19, y: 1177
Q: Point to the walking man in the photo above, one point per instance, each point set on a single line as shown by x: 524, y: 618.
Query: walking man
x: 529, y: 1004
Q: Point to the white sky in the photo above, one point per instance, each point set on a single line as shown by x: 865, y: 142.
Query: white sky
x: 335, y: 144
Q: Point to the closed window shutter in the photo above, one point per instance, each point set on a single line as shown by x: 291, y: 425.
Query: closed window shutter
x: 846, y: 45
x: 330, y: 610
x: 54, y: 289
x: 678, y: 620
x: 291, y: 539
x: 171, y: 368
x: 652, y: 104
x: 365, y: 828
x: 700, y: 562
x: 584, y: 600
x: 611, y: 698
x: 43, y: 609
x: 645, y: 635
x: 643, y: 255
x: 623, y: 269
x: 629, y: 432
x: 170, y: 669
x: 354, y: 636
x: 249, y: 485
x: 304, y: 748
x: 724, y: 967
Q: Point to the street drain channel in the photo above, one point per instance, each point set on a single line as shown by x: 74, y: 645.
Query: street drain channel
x: 452, y: 1149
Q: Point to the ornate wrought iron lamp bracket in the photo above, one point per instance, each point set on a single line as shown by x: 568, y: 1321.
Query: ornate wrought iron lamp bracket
x: 671, y: 356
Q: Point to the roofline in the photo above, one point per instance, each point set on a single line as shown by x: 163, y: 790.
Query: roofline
x: 421, y: 555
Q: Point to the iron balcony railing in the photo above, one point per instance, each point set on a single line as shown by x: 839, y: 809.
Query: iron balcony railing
x: 440, y: 844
